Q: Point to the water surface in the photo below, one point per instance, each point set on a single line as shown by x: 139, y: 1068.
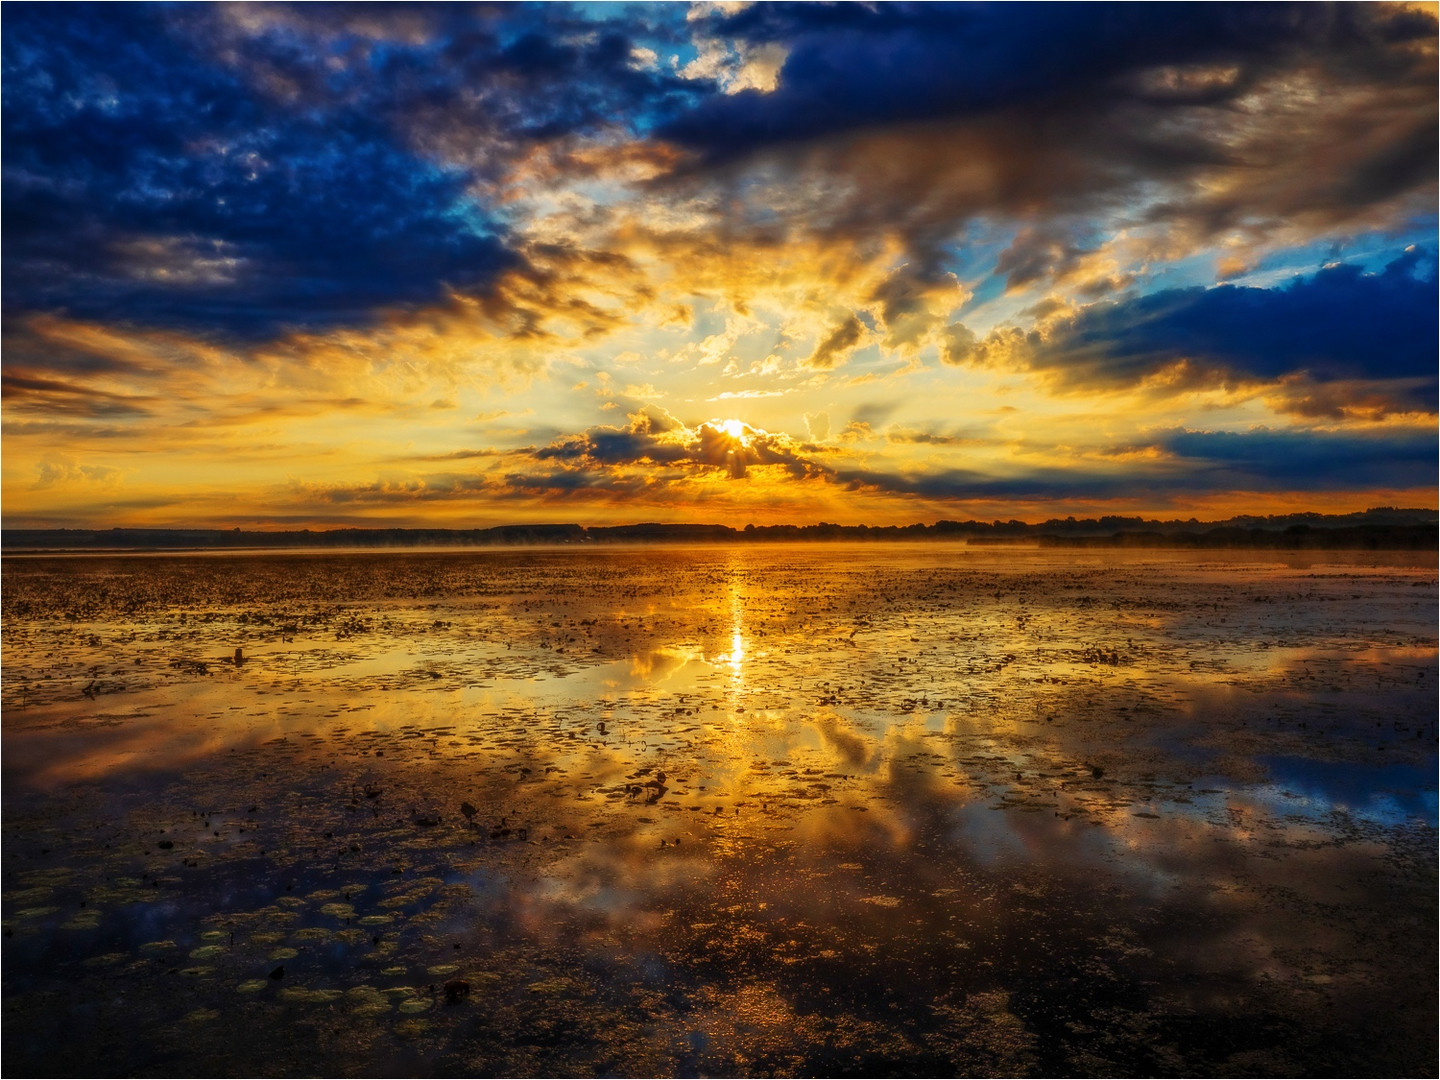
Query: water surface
x: 827, y: 809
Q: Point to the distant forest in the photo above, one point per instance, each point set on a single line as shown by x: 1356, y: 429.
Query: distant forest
x: 1384, y: 528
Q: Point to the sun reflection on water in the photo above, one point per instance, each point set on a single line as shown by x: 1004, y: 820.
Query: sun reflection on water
x: 735, y: 658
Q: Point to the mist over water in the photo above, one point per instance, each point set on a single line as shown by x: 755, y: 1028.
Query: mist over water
x: 828, y: 809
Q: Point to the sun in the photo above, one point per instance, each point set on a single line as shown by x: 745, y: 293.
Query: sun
x: 737, y: 430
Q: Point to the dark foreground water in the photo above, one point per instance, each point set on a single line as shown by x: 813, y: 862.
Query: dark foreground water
x: 764, y: 811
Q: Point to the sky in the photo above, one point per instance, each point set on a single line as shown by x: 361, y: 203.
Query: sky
x: 275, y: 266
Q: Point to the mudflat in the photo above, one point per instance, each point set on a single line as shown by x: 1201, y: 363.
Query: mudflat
x: 795, y: 810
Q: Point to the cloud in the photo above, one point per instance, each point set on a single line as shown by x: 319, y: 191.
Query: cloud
x: 145, y: 183
x: 838, y: 344
x: 913, y: 301
x: 1188, y: 463
x: 931, y: 438
x: 874, y: 413
x: 54, y: 471
x: 1350, y: 399
x: 37, y: 394
x: 712, y: 446
x: 454, y: 455
x: 1339, y: 323
x: 1266, y: 121
x: 614, y: 446
x: 251, y: 169
x: 651, y: 419
x: 1264, y: 459
x: 735, y: 66
x: 445, y: 487
x: 1037, y: 254
x: 164, y: 386
x: 1005, y: 347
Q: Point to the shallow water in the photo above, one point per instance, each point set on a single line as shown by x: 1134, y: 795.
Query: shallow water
x: 753, y: 811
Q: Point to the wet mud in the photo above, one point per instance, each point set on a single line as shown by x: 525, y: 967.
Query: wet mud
x: 830, y: 810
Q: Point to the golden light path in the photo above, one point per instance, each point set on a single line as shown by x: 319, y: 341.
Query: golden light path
x: 735, y: 659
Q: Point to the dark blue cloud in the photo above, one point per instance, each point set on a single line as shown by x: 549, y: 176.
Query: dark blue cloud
x: 934, y: 117
x: 1198, y: 463
x: 855, y: 66
x: 1303, y: 460
x: 968, y: 484
x: 1340, y: 323
x: 164, y: 167
x: 144, y: 182
x: 613, y: 446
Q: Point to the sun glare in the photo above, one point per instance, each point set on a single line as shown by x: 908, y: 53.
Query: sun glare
x: 737, y: 430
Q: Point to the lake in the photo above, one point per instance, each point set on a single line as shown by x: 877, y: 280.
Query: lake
x: 831, y: 809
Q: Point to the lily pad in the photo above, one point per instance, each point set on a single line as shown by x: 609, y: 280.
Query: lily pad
x: 30, y: 896
x: 106, y: 958
x: 551, y: 986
